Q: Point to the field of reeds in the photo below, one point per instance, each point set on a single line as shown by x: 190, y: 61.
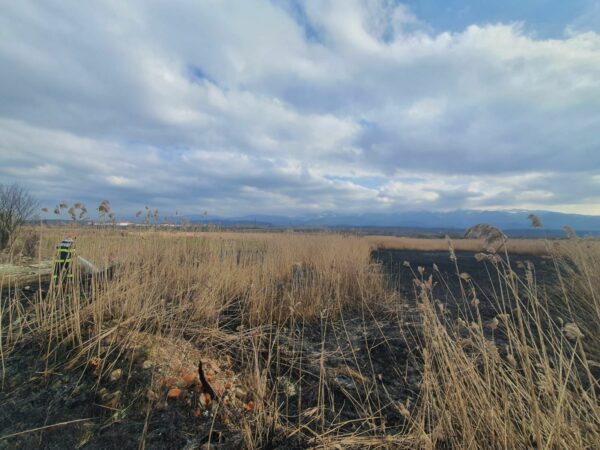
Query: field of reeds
x: 519, y: 246
x: 290, y: 340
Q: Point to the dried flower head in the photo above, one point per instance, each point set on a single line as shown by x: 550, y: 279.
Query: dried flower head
x: 569, y: 232
x: 494, y: 323
x: 511, y: 360
x: 104, y: 207
x: 492, y: 350
x: 481, y: 257
x: 572, y: 331
x: 451, y: 249
x: 465, y: 342
x: 452, y: 254
x: 535, y: 221
x: 495, y: 258
x: 403, y: 410
x: 490, y: 234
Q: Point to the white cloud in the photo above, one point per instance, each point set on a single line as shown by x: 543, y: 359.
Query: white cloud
x: 236, y: 107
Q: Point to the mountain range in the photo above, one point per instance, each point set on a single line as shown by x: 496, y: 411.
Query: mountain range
x: 451, y: 220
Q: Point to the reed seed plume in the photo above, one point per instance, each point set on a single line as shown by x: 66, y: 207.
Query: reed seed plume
x: 569, y: 232
x: 535, y: 221
x: 489, y: 233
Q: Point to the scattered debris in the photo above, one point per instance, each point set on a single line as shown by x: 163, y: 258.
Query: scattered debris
x: 147, y: 364
x: 174, y: 394
x: 205, y: 385
x: 116, y: 374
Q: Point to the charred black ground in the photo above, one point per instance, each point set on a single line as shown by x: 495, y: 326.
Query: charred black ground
x: 401, y: 266
x: 365, y: 351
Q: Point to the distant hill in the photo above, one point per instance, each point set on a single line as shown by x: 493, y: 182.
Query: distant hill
x: 514, y: 220
x: 427, y: 223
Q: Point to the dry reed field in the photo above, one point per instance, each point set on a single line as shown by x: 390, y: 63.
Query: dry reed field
x: 198, y: 340
x: 519, y: 246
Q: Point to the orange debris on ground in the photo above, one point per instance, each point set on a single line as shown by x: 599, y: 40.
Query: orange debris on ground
x: 189, y: 379
x: 174, y: 394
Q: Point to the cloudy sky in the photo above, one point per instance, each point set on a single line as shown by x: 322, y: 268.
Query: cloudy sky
x: 289, y: 106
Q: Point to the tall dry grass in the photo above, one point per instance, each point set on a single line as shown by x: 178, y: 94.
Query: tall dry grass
x: 516, y: 246
x: 524, y: 379
x: 520, y: 380
x: 158, y: 281
x: 578, y: 289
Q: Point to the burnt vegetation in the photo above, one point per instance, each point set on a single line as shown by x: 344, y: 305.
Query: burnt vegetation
x: 289, y: 340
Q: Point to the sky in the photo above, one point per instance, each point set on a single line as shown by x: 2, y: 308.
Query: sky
x: 294, y: 107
